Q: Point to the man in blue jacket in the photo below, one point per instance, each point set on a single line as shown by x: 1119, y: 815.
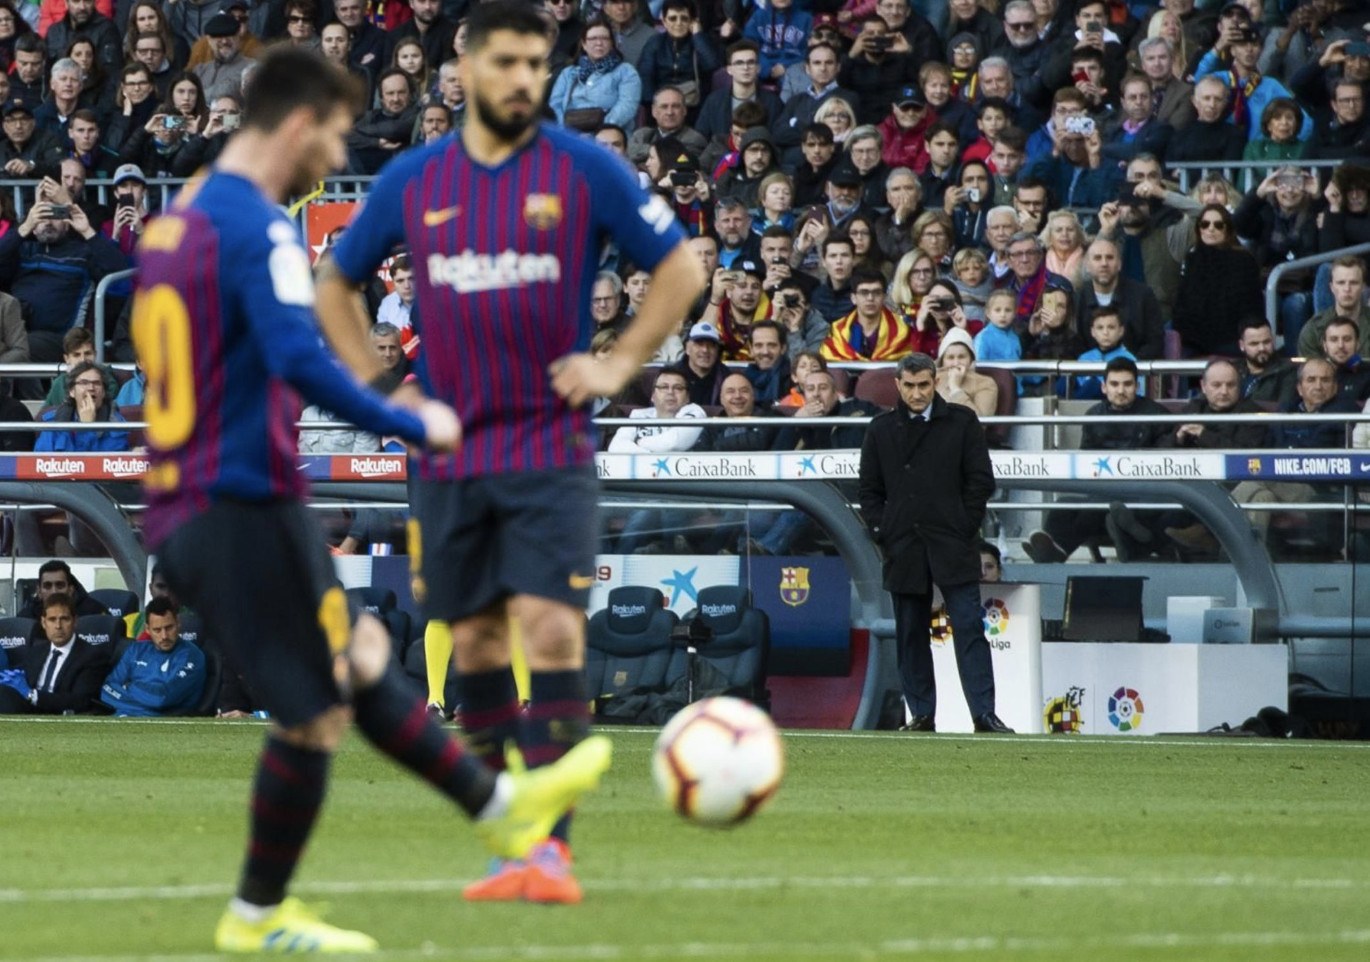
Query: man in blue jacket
x: 164, y: 676
x: 87, y: 401
x: 52, y: 262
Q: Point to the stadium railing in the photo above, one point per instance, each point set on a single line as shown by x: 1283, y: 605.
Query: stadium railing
x: 1242, y: 174
x: 1272, y: 283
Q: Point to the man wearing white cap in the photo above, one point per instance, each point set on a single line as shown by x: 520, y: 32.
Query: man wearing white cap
x: 703, y: 367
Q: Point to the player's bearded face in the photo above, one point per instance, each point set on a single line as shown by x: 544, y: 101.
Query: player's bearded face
x: 326, y: 152
x: 505, y: 82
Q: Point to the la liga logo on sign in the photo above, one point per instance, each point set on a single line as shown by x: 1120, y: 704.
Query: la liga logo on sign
x: 1125, y: 709
x: 995, y: 614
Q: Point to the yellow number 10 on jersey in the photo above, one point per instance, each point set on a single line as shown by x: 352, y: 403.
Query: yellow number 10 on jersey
x: 161, y: 333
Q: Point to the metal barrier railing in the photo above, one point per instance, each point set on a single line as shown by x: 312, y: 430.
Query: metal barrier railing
x: 1243, y: 174
x: 1272, y: 283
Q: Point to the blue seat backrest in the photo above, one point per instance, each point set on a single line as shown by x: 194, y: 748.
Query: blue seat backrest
x: 117, y: 601
x: 15, y: 633
x: 741, y: 643
x: 100, y: 629
x: 629, y: 642
x: 192, y: 629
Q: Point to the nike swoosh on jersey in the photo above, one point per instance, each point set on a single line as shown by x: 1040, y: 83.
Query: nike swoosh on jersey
x: 436, y: 218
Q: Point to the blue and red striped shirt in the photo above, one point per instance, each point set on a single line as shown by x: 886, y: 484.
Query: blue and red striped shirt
x: 504, y: 259
x: 226, y: 335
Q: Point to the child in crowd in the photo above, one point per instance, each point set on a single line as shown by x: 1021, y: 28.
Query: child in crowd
x: 999, y: 341
x: 1107, y: 331
x: 991, y: 118
x: 970, y: 269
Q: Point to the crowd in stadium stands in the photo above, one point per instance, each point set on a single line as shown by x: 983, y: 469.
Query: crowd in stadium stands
x: 980, y: 181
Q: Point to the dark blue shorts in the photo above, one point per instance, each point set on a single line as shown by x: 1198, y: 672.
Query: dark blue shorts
x: 484, y: 539
x: 261, y: 578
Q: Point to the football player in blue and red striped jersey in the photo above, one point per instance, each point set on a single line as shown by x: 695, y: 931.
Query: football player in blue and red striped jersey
x: 226, y: 337
x: 504, y: 224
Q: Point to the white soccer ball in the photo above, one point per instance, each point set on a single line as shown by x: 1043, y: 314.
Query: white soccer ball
x: 718, y: 761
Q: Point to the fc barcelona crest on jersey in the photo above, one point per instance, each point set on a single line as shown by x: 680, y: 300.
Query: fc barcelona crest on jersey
x: 542, y: 211
x: 794, y: 586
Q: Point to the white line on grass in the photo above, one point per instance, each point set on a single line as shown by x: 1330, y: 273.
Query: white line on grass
x: 844, y: 949
x: 1069, y: 741
x: 680, y: 884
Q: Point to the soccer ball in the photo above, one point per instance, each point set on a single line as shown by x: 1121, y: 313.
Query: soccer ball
x: 718, y: 761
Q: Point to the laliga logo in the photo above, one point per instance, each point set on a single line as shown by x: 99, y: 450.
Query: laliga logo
x: 995, y: 614
x: 1125, y: 710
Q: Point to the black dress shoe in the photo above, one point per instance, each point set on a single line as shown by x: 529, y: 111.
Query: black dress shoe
x: 920, y: 723
x: 990, y: 723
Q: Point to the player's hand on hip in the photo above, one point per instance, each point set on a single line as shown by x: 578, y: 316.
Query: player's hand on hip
x: 441, y: 426
x: 579, y: 377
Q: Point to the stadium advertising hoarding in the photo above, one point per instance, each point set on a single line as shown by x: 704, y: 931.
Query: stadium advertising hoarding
x: 1333, y: 465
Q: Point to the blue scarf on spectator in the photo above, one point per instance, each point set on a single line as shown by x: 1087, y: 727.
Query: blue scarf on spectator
x: 587, y: 68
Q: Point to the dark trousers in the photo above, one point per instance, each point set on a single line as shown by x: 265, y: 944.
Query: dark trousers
x: 912, y: 621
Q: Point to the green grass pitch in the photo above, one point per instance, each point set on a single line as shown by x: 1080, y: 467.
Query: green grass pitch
x: 121, y: 840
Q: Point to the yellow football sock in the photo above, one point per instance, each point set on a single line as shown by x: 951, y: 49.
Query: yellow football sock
x: 518, y: 661
x: 437, y: 653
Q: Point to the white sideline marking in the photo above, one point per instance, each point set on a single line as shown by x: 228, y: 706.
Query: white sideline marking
x: 1066, y: 741
x: 687, y: 884
x: 849, y: 949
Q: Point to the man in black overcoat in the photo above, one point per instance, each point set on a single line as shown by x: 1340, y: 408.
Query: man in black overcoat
x: 925, y: 480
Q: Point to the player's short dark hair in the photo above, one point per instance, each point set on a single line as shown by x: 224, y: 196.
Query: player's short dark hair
x: 516, y: 16
x: 161, y: 606
x: 56, y: 564
x: 1121, y: 364
x: 60, y: 599
x: 288, y: 78
x: 76, y: 337
x: 402, y: 262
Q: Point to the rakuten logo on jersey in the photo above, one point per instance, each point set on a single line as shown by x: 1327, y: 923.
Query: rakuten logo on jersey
x: 472, y: 273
